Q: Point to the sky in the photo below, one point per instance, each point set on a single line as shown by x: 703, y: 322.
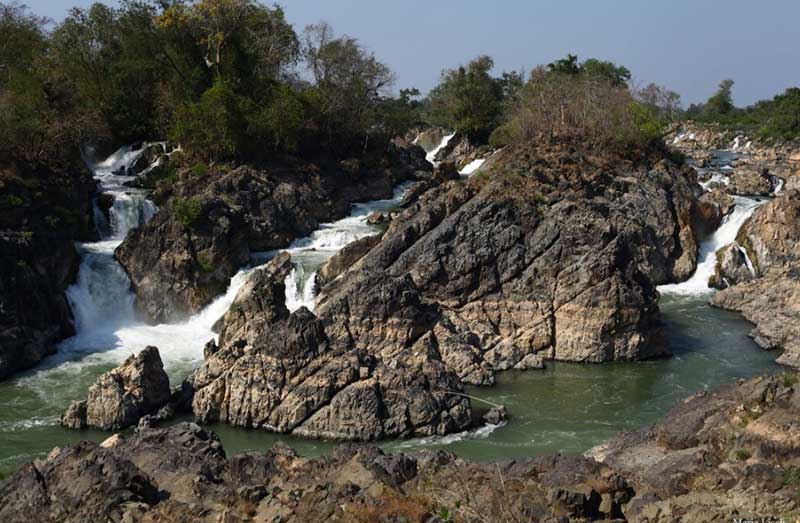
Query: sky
x: 688, y: 46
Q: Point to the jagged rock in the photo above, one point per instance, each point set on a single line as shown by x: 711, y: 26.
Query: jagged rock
x: 732, y: 267
x: 346, y: 257
x: 120, y: 397
x: 712, y: 207
x: 210, y: 222
x: 548, y: 262
x: 378, y: 218
x: 298, y: 373
x: 495, y: 415
x: 430, y: 139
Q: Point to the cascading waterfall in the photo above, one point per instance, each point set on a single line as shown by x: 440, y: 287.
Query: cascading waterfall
x: 309, y: 253
x: 431, y: 156
x: 724, y: 235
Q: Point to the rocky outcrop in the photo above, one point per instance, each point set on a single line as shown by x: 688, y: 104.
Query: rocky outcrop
x: 750, y: 182
x: 212, y: 219
x: 296, y: 373
x: 557, y: 258
x: 770, y: 298
x: 120, y: 397
x: 345, y: 258
x: 733, y: 451
x: 43, y: 212
x: 733, y: 267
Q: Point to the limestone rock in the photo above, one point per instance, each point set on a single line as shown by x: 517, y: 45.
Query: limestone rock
x: 120, y: 397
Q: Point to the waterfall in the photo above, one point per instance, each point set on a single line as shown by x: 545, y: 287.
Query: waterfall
x: 471, y: 167
x: 310, y: 253
x: 707, y: 257
x: 431, y: 156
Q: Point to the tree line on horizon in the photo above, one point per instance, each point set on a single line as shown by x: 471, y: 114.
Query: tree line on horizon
x: 232, y: 80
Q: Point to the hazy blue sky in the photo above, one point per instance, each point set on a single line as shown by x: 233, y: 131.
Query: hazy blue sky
x: 687, y: 45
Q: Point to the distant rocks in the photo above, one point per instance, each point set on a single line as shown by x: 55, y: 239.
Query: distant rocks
x: 120, y: 397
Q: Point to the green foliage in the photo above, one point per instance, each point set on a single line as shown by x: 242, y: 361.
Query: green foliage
x: 721, y: 103
x: 213, y: 127
x: 607, y: 72
x: 790, y: 379
x: 468, y: 99
x: 562, y: 100
x: 12, y: 200
x: 742, y: 454
x: 199, y: 169
x: 188, y: 210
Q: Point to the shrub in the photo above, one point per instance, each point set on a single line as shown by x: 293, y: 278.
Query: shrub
x: 188, y: 211
x: 199, y: 169
x: 742, y: 454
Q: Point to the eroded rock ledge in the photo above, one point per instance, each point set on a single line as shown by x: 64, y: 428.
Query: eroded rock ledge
x: 732, y: 452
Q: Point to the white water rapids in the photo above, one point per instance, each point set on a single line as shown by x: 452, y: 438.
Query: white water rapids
x: 724, y: 235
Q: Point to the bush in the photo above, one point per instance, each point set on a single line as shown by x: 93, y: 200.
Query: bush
x: 742, y: 454
x: 592, y: 110
x: 188, y: 211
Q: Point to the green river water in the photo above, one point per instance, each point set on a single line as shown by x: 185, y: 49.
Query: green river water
x: 566, y: 408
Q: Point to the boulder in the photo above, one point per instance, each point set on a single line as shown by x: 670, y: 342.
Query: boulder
x: 733, y: 267
x: 750, y: 182
x: 346, y: 258
x: 120, y: 397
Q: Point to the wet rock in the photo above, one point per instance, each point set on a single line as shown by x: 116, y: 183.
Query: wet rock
x: 299, y: 373
x: 495, y: 415
x: 378, y: 218
x: 120, y: 397
x: 750, y: 182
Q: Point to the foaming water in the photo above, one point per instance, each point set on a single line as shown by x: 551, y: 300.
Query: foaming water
x: 431, y: 156
x: 707, y: 257
x: 471, y: 167
x: 310, y: 253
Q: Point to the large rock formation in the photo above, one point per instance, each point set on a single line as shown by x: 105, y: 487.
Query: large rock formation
x: 285, y: 372
x: 43, y: 212
x: 716, y: 456
x: 556, y: 256
x: 211, y: 220
x: 120, y: 397
x: 771, y: 298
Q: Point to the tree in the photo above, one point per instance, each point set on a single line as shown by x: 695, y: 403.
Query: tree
x: 468, y: 99
x: 616, y: 75
x: 660, y: 99
x: 568, y: 65
x: 349, y: 84
x: 721, y: 103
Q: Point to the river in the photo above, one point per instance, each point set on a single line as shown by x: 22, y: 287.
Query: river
x: 565, y: 408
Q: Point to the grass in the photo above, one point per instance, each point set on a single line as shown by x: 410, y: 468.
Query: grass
x: 188, y: 211
x: 742, y: 454
x: 789, y: 379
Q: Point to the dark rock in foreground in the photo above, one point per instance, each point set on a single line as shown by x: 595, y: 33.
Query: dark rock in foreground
x: 730, y: 453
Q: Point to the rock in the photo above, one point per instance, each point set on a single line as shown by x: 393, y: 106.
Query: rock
x: 549, y: 262
x: 732, y: 267
x: 430, y: 139
x: 210, y: 222
x: 299, y: 373
x: 495, y: 415
x: 43, y: 212
x: 120, y: 397
x: 75, y: 416
x: 750, y: 182
x: 712, y: 207
x: 378, y: 218
x: 688, y: 467
x: 346, y: 258
x: 771, y: 239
